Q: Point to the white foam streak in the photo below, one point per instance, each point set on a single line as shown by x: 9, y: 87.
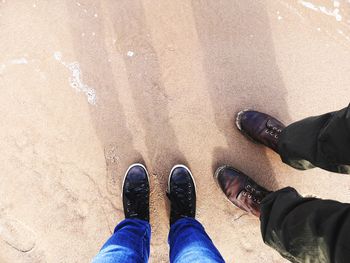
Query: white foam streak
x: 19, y: 61
x: 322, y: 9
x: 76, y: 80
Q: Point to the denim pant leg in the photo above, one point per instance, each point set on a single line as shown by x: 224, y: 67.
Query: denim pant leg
x: 190, y: 243
x: 129, y: 243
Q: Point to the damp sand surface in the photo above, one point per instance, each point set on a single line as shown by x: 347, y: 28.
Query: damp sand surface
x: 89, y: 87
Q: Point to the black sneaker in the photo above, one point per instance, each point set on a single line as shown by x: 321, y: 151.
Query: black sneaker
x: 136, y: 192
x: 181, y: 193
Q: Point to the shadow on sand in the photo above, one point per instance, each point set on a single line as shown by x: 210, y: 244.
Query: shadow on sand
x: 241, y: 73
x: 149, y: 99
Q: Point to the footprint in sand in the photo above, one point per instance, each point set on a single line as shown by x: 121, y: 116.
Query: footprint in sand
x: 17, y: 235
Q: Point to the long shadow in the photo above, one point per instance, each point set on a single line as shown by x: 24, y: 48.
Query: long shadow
x: 145, y: 81
x: 149, y: 99
x: 241, y: 71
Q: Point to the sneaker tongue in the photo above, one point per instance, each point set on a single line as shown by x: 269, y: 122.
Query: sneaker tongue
x: 181, y: 182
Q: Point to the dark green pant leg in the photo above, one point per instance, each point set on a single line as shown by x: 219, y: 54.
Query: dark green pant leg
x: 322, y: 141
x: 306, y: 229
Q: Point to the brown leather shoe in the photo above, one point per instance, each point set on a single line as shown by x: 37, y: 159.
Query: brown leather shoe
x: 240, y: 189
x: 260, y: 127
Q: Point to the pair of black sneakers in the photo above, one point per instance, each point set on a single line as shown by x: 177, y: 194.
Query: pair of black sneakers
x: 240, y: 189
x: 181, y: 193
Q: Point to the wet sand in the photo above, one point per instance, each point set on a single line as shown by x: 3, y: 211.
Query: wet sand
x: 89, y: 87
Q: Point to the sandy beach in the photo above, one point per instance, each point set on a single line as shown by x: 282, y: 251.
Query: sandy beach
x: 89, y: 87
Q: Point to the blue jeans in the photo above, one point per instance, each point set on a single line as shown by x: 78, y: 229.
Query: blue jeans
x: 131, y: 243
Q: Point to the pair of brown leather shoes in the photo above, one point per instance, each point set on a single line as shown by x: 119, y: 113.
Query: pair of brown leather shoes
x: 239, y: 188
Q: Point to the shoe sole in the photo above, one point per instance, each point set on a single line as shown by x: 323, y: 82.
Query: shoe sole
x: 127, y: 171
x: 239, y: 127
x: 188, y: 170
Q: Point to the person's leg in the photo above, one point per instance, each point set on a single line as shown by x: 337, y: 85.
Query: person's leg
x: 300, y: 229
x: 131, y: 239
x: 187, y: 238
x: 306, y: 229
x: 322, y: 141
x: 129, y: 243
x: 190, y: 243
